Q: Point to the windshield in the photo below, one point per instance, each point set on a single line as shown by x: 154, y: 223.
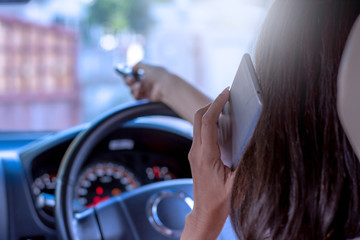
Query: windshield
x: 57, y: 56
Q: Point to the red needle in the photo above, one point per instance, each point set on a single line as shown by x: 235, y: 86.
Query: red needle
x: 97, y: 200
x: 156, y: 171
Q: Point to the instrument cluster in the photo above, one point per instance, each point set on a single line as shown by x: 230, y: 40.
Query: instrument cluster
x: 117, y: 165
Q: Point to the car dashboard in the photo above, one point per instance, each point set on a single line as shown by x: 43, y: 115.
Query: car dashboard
x: 140, y: 152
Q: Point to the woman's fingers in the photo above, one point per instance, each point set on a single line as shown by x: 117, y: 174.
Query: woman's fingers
x: 217, y: 106
x: 197, y: 123
x: 138, y: 66
x: 210, y: 118
x: 137, y: 90
x: 130, y: 80
x: 206, y: 118
x: 141, y: 66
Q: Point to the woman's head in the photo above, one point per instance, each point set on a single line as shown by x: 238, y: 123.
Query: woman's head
x: 299, y: 178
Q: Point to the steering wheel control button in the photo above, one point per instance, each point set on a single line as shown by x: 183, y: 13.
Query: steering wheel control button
x: 167, y: 211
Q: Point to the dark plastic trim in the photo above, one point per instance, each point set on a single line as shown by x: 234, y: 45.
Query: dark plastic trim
x: 3, y: 204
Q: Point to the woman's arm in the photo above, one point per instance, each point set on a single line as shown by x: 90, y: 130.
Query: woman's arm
x: 160, y: 85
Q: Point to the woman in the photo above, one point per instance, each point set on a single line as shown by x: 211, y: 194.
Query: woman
x: 299, y: 177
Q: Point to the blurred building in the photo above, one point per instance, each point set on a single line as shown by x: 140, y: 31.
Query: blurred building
x: 38, y: 85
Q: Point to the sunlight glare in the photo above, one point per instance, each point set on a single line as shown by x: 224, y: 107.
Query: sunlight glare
x: 108, y: 42
x: 134, y: 54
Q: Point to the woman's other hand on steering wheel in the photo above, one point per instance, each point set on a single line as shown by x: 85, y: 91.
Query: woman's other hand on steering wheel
x: 212, y: 179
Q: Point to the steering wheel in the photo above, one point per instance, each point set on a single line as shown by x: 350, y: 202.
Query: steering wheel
x: 154, y: 211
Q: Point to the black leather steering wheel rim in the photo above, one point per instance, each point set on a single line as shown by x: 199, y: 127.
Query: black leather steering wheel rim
x: 79, y: 150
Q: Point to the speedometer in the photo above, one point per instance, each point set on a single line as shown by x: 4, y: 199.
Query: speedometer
x: 102, y: 181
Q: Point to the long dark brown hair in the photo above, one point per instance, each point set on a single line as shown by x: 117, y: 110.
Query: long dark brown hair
x: 299, y: 177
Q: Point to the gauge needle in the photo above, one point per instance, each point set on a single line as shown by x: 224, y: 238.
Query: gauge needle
x: 97, y: 200
x: 157, y: 172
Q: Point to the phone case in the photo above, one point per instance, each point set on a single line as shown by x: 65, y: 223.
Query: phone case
x: 240, y: 115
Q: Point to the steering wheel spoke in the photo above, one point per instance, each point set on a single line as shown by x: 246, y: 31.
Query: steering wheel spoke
x: 86, y: 225
x: 156, y: 210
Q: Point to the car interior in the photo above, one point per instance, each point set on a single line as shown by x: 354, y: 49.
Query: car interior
x: 103, y: 159
x: 124, y: 174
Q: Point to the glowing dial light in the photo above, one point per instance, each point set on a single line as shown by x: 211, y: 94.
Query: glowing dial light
x: 102, y: 181
x: 159, y: 173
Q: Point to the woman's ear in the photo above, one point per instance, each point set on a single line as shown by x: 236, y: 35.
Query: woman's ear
x: 348, y: 100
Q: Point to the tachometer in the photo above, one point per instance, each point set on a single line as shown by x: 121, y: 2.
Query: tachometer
x: 102, y: 181
x: 44, y: 184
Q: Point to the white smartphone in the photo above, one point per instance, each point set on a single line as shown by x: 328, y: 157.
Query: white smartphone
x: 240, y: 115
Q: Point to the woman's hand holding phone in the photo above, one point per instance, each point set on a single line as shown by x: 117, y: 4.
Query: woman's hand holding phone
x: 212, y: 179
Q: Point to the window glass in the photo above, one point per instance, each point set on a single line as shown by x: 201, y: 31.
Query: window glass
x: 57, y: 56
